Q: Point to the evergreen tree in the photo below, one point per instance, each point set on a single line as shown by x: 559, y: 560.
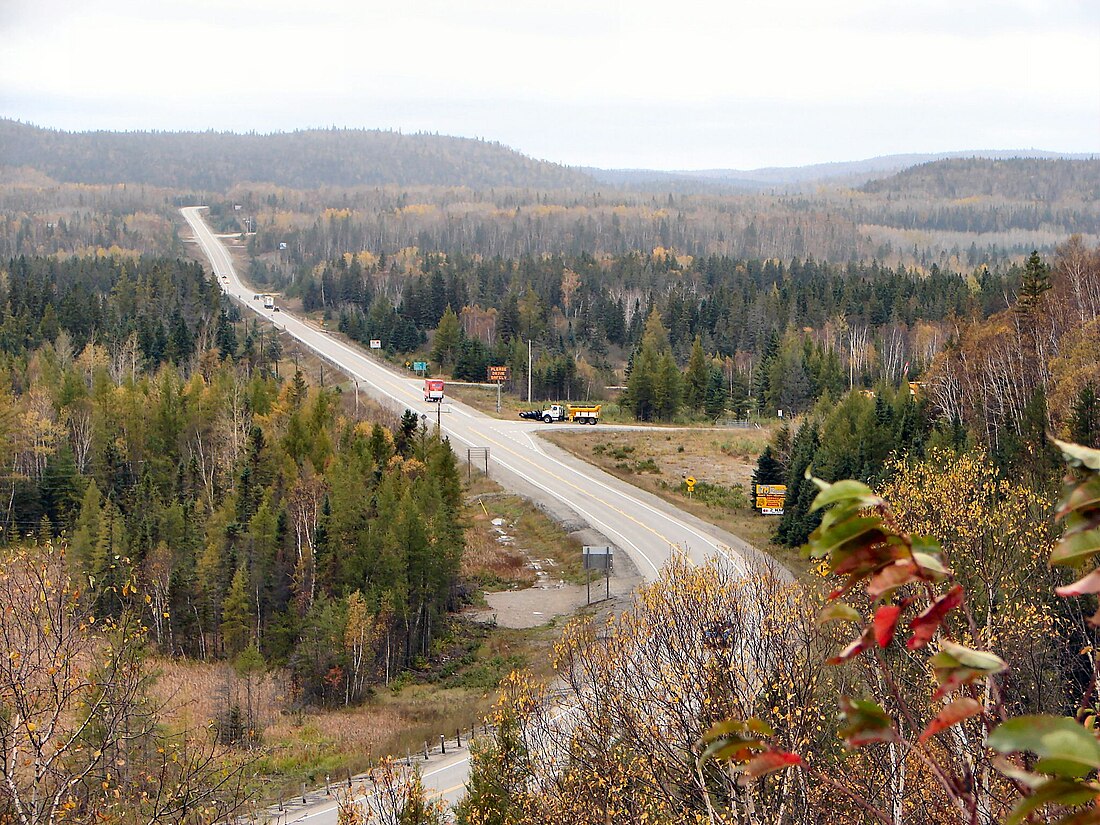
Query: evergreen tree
x: 498, y: 772
x: 697, y: 377
x: 769, y: 470
x: 1033, y: 286
x: 651, y: 390
x: 237, y: 614
x: 226, y: 337
x: 1085, y: 420
x: 797, y: 521
x: 448, y: 339
x: 668, y: 390
x: 717, y: 396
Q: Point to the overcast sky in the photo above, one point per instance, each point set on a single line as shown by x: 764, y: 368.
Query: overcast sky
x: 664, y: 84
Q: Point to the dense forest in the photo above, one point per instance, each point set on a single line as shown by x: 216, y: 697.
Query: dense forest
x: 304, y: 159
x: 1044, y: 181
x: 923, y: 334
x: 999, y: 384
x: 139, y: 421
x: 779, y: 335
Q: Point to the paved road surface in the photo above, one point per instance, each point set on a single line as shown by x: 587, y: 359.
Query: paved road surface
x: 643, y: 526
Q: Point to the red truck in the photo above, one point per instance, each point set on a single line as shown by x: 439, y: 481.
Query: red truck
x: 433, y: 390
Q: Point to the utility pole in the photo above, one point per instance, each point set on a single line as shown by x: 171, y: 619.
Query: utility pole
x: 528, y: 370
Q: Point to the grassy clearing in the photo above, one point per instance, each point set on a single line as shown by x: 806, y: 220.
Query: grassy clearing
x: 456, y: 688
x: 722, y: 461
x: 535, y: 537
x: 305, y: 744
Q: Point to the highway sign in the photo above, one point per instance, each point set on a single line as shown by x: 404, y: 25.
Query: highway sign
x: 597, y: 557
x: 770, y: 498
x: 420, y: 366
x: 690, y: 482
x: 498, y: 374
x: 375, y: 343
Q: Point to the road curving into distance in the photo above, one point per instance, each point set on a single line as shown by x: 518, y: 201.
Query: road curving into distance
x: 648, y: 529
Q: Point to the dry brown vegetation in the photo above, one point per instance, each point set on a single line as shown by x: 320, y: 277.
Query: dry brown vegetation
x: 299, y: 744
x: 657, y: 460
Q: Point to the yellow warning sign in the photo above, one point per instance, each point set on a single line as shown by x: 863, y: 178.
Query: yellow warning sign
x: 770, y: 498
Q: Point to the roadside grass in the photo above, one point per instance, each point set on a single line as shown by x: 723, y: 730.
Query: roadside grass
x: 532, y: 531
x: 722, y: 461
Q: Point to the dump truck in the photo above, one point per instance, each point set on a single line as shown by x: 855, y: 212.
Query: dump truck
x: 574, y: 413
x: 433, y: 390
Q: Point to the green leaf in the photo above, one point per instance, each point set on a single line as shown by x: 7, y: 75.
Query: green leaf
x: 930, y: 566
x: 1054, y: 791
x: 847, y: 491
x: 839, y: 611
x: 865, y: 722
x: 824, y: 542
x: 760, y: 727
x: 839, y: 513
x: 737, y: 727
x: 1077, y: 456
x: 1083, y: 496
x: 1073, y: 549
x: 731, y: 749
x: 977, y: 659
x: 734, y: 740
x: 955, y: 665
x: 1064, y: 748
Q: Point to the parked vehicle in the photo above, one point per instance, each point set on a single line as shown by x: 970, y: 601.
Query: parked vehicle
x: 433, y: 390
x: 574, y: 413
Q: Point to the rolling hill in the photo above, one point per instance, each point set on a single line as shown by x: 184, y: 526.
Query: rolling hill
x: 303, y: 159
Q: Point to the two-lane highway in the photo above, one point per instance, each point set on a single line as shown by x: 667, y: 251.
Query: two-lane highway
x: 644, y: 526
x: 647, y: 528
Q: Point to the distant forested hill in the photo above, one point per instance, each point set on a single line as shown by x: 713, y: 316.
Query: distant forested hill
x: 1018, y: 179
x: 305, y: 159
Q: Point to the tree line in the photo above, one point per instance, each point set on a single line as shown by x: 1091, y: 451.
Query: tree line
x: 1001, y: 383
x: 778, y: 334
x: 143, y: 425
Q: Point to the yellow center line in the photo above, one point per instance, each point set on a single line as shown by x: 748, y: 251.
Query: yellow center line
x: 400, y: 389
x: 446, y: 791
x: 584, y: 491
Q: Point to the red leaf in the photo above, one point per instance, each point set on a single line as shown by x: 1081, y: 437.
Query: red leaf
x: 852, y: 650
x: 952, y: 714
x: 770, y: 761
x: 1083, y: 586
x: 891, y: 576
x: 885, y: 622
x: 925, y: 625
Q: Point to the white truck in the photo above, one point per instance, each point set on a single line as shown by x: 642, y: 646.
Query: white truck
x: 269, y: 302
x: 577, y: 413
